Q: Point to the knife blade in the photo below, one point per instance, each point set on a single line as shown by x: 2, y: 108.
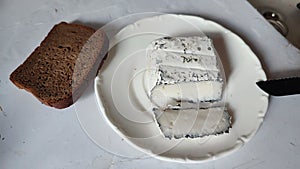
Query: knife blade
x: 281, y: 87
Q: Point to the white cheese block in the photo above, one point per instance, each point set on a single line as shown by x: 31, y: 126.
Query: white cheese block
x: 166, y: 95
x: 188, y: 87
x: 186, y: 69
x: 193, y: 122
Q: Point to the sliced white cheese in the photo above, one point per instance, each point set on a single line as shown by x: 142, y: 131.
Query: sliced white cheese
x: 177, y: 59
x: 180, y: 104
x: 193, y: 44
x: 174, y: 75
x: 188, y: 87
x: 193, y: 92
x: 193, y: 122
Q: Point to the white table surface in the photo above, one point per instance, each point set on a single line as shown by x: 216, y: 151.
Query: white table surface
x: 35, y: 136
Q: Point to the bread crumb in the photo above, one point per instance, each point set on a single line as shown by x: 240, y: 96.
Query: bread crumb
x: 3, y: 112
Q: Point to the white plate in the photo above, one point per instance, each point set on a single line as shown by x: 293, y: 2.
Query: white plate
x: 122, y: 89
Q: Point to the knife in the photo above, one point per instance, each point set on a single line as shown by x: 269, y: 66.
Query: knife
x: 281, y: 87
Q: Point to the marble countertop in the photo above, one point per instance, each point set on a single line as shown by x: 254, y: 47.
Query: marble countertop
x: 35, y: 136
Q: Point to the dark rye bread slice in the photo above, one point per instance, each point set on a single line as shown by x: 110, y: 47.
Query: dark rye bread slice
x: 58, y: 71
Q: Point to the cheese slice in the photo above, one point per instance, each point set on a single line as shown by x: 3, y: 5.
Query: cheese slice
x: 194, y: 92
x: 192, y: 123
x: 193, y: 44
x: 180, y: 59
x: 175, y: 75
